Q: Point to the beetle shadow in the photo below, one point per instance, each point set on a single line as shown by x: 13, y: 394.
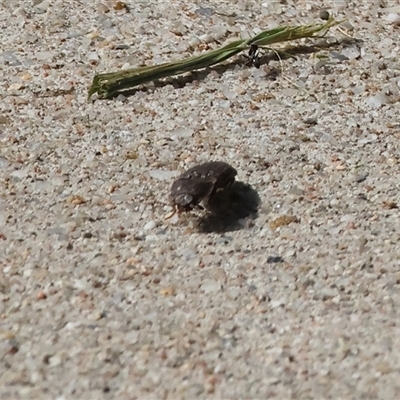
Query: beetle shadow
x: 230, y: 209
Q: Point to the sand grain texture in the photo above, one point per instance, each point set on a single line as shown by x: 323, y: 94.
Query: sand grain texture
x: 100, y: 297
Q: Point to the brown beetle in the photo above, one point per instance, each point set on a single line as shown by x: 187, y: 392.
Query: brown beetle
x: 198, y: 184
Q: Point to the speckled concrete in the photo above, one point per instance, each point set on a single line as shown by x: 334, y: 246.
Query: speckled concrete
x: 101, y: 297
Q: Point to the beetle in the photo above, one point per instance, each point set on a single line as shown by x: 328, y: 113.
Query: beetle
x: 200, y: 183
